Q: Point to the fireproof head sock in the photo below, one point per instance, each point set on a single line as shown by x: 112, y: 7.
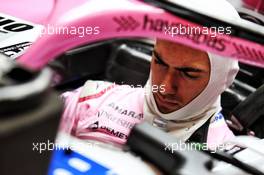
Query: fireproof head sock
x: 222, y: 74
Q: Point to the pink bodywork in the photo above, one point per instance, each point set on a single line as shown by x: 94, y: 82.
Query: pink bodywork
x: 116, y: 19
x: 36, y: 11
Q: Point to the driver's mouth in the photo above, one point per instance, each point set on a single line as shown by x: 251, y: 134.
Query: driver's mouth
x: 166, y: 102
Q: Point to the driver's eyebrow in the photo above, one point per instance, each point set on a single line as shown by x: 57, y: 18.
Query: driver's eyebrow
x: 159, y: 58
x: 184, y: 69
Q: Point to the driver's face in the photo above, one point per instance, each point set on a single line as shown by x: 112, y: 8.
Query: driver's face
x: 183, y: 71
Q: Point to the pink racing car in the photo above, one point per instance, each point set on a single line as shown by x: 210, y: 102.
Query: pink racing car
x: 78, y: 38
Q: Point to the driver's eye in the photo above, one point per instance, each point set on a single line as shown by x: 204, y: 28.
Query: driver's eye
x: 157, y: 61
x: 189, y: 75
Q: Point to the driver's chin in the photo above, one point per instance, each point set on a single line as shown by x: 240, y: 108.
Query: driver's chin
x: 165, y: 110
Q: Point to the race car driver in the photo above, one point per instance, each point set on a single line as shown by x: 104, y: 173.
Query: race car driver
x: 182, y: 97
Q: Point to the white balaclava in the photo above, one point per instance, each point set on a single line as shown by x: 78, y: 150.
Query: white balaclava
x: 185, y: 121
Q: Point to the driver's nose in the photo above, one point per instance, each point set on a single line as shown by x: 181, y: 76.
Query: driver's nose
x: 170, y: 82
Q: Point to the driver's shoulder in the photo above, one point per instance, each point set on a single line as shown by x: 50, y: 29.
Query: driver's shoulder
x: 92, y: 87
x: 95, y: 89
x: 218, y: 131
